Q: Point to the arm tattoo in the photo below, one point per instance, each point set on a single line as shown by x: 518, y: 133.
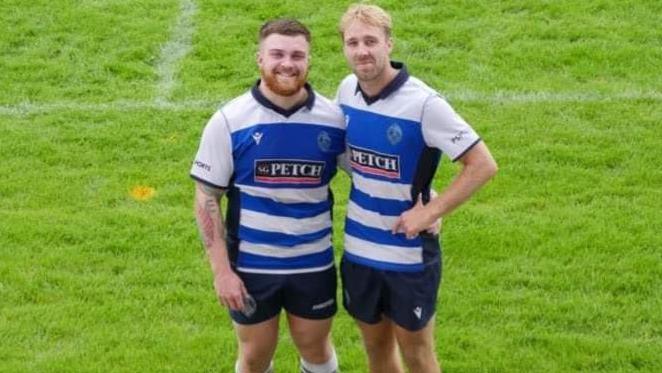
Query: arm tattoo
x: 206, y: 210
x: 210, y: 191
x: 206, y: 225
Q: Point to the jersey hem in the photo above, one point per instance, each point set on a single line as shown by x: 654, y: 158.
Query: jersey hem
x: 196, y: 178
x: 465, y: 151
x: 285, y: 271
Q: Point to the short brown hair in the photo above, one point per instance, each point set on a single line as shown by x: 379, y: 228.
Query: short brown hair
x: 366, y: 13
x: 289, y: 27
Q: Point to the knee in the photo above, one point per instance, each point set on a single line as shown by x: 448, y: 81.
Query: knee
x: 250, y: 364
x: 418, y: 355
x: 313, y: 349
x: 254, y: 358
x: 380, y: 347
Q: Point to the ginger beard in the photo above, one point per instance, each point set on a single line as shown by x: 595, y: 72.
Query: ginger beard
x: 284, y: 82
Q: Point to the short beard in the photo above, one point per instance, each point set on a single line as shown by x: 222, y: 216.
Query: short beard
x: 278, y: 88
x: 366, y: 76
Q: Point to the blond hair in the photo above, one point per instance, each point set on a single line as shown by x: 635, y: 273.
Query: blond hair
x: 368, y: 14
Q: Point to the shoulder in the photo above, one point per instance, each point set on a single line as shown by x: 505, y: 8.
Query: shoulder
x: 418, y: 89
x: 238, y: 111
x: 328, y: 111
x: 347, y: 87
x: 324, y: 103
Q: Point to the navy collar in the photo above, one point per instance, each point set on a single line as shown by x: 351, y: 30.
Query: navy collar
x: 391, y: 87
x: 264, y: 101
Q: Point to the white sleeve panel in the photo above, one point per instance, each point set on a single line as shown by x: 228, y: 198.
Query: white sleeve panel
x: 444, y: 129
x: 213, y: 163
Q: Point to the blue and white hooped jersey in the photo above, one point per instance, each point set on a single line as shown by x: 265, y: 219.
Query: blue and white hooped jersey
x: 276, y: 165
x: 395, y: 141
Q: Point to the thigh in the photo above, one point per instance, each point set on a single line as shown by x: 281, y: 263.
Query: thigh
x: 308, y: 331
x: 412, y: 297
x: 311, y: 295
x: 266, y: 290
x: 362, y: 292
x: 377, y: 336
x: 380, y: 344
x: 258, y: 341
x: 419, y: 339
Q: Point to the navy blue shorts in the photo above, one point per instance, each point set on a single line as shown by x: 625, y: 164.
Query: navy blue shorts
x: 307, y: 295
x: 407, y: 298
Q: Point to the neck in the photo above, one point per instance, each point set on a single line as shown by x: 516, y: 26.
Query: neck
x: 284, y: 102
x: 375, y: 86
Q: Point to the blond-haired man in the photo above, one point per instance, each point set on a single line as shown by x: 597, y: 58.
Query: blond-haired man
x: 397, y: 130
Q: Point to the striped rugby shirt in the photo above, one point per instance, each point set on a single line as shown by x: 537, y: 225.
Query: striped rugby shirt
x: 395, y: 141
x: 276, y: 166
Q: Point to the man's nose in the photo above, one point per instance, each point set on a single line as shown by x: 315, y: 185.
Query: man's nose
x: 287, y: 62
x: 362, y: 50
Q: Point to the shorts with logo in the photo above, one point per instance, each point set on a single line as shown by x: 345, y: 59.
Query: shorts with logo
x: 308, y: 295
x: 407, y: 298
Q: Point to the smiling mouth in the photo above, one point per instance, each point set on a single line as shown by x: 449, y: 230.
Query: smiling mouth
x: 287, y: 75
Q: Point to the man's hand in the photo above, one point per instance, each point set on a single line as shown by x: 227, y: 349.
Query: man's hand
x: 230, y: 290
x: 435, y: 228
x: 414, y: 220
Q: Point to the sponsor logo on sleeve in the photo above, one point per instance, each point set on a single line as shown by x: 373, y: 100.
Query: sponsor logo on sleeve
x: 459, y: 136
x: 288, y: 171
x: 375, y: 163
x: 203, y: 165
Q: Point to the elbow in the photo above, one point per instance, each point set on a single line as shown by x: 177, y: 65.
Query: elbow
x: 488, y: 170
x: 493, y: 168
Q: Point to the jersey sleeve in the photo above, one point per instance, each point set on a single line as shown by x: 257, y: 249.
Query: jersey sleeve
x: 213, y: 163
x: 444, y: 129
x: 343, y: 162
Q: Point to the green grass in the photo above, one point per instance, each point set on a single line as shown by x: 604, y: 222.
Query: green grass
x: 554, y: 266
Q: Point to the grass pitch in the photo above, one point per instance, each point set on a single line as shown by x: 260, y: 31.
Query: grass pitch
x: 554, y: 266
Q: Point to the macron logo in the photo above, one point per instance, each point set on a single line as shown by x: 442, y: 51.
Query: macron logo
x: 257, y: 136
x: 418, y: 311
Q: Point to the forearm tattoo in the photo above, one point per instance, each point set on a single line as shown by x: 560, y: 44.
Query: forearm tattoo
x: 206, y: 225
x: 207, y: 209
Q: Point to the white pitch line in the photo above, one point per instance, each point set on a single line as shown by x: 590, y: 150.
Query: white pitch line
x: 551, y: 97
x: 174, y: 51
x: 29, y: 108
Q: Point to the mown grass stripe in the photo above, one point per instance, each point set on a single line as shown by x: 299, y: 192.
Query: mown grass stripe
x: 174, y: 51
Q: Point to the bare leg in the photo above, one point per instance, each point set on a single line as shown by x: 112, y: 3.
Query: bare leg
x: 381, y: 347
x: 257, y: 344
x: 418, y: 348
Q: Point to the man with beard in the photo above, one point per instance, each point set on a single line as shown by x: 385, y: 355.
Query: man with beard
x: 397, y: 129
x: 273, y: 151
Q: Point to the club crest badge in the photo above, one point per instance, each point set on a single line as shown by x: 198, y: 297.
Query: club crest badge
x: 394, y: 133
x: 324, y: 141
